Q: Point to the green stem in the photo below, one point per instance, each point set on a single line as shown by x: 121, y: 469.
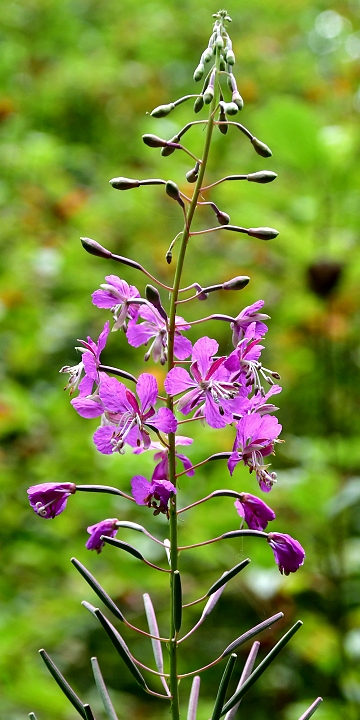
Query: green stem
x: 174, y: 552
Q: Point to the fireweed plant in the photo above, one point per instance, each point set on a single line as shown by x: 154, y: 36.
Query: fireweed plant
x: 200, y: 385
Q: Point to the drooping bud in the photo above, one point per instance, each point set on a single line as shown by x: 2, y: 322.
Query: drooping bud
x: 263, y: 233
x: 198, y: 104
x: 168, y: 150
x: 94, y: 248
x: 237, y: 283
x: 263, y: 176
x: 207, y: 55
x: 154, y: 141
x: 222, y: 217
x: 162, y: 110
x: 153, y: 296
x: 192, y: 175
x: 199, y: 72
x: 230, y: 57
x: 208, y: 94
x: 222, y: 118
x: 219, y: 43
x: 237, y: 99
x: 260, y: 147
x: 173, y: 191
x: 123, y: 183
x: 230, y: 108
x: 222, y: 64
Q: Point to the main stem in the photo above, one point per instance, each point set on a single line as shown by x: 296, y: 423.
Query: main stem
x: 174, y: 553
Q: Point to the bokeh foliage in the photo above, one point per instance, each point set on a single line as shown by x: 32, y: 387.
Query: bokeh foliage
x: 77, y: 78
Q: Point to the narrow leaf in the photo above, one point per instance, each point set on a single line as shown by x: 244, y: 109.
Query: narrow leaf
x: 100, y: 592
x: 88, y: 712
x: 310, y: 711
x: 177, y: 595
x: 250, y: 633
x: 156, y: 644
x: 261, y: 667
x: 194, y: 698
x: 223, y: 687
x: 123, y: 546
x: 63, y: 684
x: 102, y: 690
x: 212, y: 601
x: 244, y: 676
x: 121, y: 647
x: 227, y: 576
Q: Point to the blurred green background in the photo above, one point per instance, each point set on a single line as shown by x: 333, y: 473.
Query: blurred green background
x: 77, y: 79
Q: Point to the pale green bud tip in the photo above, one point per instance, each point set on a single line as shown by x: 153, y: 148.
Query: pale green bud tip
x: 263, y: 233
x: 199, y: 72
x: 237, y: 99
x: 208, y: 95
x: 230, y: 57
x: 230, y: 108
x: 162, y: 110
x: 94, y: 248
x: 207, y: 55
x: 261, y: 148
x: 237, y: 283
x: 122, y: 183
x: 263, y: 176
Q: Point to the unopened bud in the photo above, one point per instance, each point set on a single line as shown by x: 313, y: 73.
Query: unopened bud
x: 222, y: 118
x: 153, y: 296
x: 237, y: 283
x: 231, y: 108
x: 168, y: 257
x: 154, y: 141
x: 275, y: 375
x: 219, y: 43
x: 263, y: 176
x: 173, y: 191
x: 223, y: 218
x: 208, y: 94
x: 123, y: 183
x: 207, y: 55
x: 168, y: 150
x: 230, y: 57
x: 261, y: 148
x: 198, y: 104
x: 222, y: 64
x: 263, y: 233
x: 162, y: 110
x: 94, y: 248
x: 237, y: 99
x: 199, y: 72
x: 192, y: 175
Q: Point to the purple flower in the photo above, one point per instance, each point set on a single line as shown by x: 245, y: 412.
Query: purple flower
x: 49, y: 499
x: 255, y: 439
x: 104, y: 527
x: 155, y: 494
x: 209, y: 387
x: 89, y: 364
x: 254, y: 511
x: 289, y: 554
x: 116, y: 295
x: 126, y: 417
x: 161, y: 470
x: 155, y: 326
x: 247, y: 316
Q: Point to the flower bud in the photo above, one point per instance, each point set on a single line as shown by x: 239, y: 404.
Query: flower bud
x: 237, y: 283
x: 222, y: 218
x: 172, y: 191
x: 94, y: 248
x: 168, y: 150
x: 153, y: 296
x: 208, y: 94
x: 237, y: 99
x: 263, y: 233
x: 198, y: 104
x: 162, y: 110
x: 219, y: 43
x: 230, y: 108
x: 192, y: 175
x: 207, y: 55
x: 263, y: 176
x: 199, y: 72
x: 222, y: 64
x: 261, y: 148
x: 230, y: 57
x: 222, y: 118
x: 122, y: 183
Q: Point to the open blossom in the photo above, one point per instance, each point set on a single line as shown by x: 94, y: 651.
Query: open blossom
x: 49, y: 499
x: 116, y: 295
x: 208, y: 386
x: 155, y: 328
x: 154, y: 494
x: 254, y: 511
x: 246, y: 360
x: 255, y: 439
x: 126, y: 417
x: 89, y: 364
x: 249, y: 315
x: 161, y: 469
x: 104, y: 527
x: 289, y: 554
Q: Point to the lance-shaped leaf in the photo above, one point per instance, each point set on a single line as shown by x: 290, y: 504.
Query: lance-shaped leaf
x: 224, y: 683
x: 156, y: 644
x: 310, y: 711
x: 194, y: 698
x: 100, y: 592
x: 88, y: 712
x: 228, y: 575
x: 63, y: 684
x: 261, y: 667
x: 102, y: 690
x: 244, y: 676
x: 131, y: 550
x: 121, y: 647
x: 250, y: 633
x: 177, y: 600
